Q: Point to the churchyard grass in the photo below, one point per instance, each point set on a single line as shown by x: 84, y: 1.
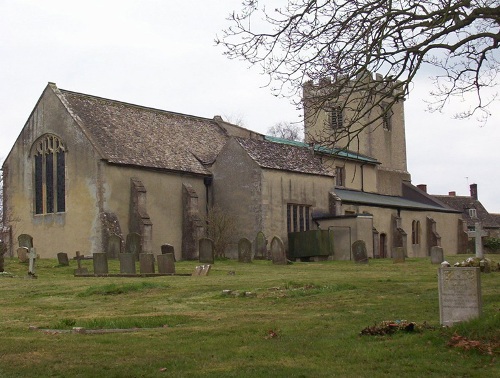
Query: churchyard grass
x: 299, y: 320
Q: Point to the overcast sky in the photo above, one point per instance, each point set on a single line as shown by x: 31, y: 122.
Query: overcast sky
x: 162, y: 54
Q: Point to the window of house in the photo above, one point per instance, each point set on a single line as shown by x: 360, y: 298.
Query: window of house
x: 473, y: 213
x: 335, y: 117
x: 49, y: 175
x: 415, y: 232
x: 340, y: 176
x: 387, y: 118
x: 298, y: 217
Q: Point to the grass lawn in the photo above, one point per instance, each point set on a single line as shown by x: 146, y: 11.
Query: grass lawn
x: 299, y: 320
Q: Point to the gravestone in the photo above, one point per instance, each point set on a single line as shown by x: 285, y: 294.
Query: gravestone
x: 459, y: 294
x: 166, y: 263
x: 127, y: 263
x: 114, y: 246
x: 100, y: 261
x: 146, y: 263
x: 25, y: 240
x: 32, y: 258
x: 437, y: 255
x: 478, y: 234
x: 167, y: 248
x: 197, y: 270
x: 398, y: 255
x: 79, y: 270
x: 245, y: 251
x: 260, y: 246
x: 133, y: 244
x: 62, y: 259
x: 22, y: 254
x: 206, y: 247
x: 278, y: 251
x: 359, y: 252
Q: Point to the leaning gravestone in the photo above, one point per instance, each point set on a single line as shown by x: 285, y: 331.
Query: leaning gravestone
x: 146, y: 263
x: 206, y: 251
x: 459, y: 294
x: 62, y: 259
x: 25, y: 240
x: 398, y: 254
x: 100, y: 261
x: 205, y: 269
x: 359, y: 252
x: 133, y: 244
x: 260, y: 246
x: 114, y: 246
x: 22, y: 254
x: 437, y: 255
x: 79, y: 270
x: 166, y: 263
x: 245, y: 251
x: 127, y: 263
x: 278, y: 251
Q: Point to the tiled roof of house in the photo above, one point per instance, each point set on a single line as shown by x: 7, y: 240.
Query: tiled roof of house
x: 286, y: 157
x: 464, y: 203
x: 135, y: 135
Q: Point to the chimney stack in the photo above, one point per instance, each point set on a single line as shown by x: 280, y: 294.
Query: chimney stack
x: 452, y: 194
x: 422, y: 187
x: 473, y: 191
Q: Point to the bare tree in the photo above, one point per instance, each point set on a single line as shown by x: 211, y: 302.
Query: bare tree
x: 220, y: 228
x: 286, y: 130
x: 303, y: 40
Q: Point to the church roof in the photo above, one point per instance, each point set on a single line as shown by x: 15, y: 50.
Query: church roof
x: 141, y: 136
x: 281, y: 156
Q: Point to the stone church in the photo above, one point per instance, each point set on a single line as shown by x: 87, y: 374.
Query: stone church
x: 85, y: 168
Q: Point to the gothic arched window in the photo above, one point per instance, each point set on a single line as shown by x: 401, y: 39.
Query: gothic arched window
x: 415, y: 232
x: 50, y: 177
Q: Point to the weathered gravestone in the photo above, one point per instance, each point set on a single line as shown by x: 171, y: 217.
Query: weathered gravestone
x: 278, y: 251
x: 260, y: 246
x: 359, y: 252
x: 32, y: 261
x: 114, y: 246
x: 167, y: 248
x: 62, y: 259
x: 197, y: 270
x: 398, y: 255
x: 437, y: 255
x: 127, y: 263
x: 166, y: 263
x: 459, y: 294
x: 79, y: 270
x: 206, y: 247
x: 25, y: 240
x: 100, y: 261
x: 245, y: 251
x: 133, y: 244
x: 146, y: 263
x: 205, y: 269
x: 22, y: 254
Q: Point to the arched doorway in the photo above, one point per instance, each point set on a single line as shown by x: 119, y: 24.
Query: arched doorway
x: 383, y: 246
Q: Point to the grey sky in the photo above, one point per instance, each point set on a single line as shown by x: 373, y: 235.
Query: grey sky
x: 162, y: 54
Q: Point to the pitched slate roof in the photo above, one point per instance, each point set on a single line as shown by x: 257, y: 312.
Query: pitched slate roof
x: 286, y: 157
x: 464, y: 203
x: 136, y: 135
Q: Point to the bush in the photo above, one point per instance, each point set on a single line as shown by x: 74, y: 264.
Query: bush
x: 493, y: 244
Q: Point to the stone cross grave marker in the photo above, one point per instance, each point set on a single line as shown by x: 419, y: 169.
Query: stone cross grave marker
x: 100, y: 261
x: 62, y: 259
x: 478, y: 234
x: 459, y: 294
x: 206, y: 251
x: 146, y: 263
x: 245, y: 250
x: 79, y: 270
x: 359, y: 252
x: 437, y: 255
x: 278, y: 251
x: 115, y: 243
x: 31, y: 268
x: 22, y: 254
x: 398, y: 254
x: 127, y: 263
x: 133, y: 244
x: 166, y: 263
x: 260, y: 246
